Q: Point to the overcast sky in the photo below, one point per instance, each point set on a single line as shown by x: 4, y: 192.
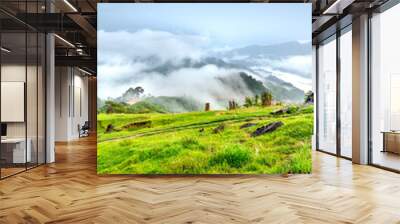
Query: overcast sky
x: 226, y: 24
x: 134, y: 38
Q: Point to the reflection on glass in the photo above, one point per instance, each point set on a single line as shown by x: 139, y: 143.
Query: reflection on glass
x: 22, y: 91
x: 31, y: 100
x: 14, y: 153
x: 385, y: 114
x: 327, y: 97
x: 41, y: 98
x: 346, y: 94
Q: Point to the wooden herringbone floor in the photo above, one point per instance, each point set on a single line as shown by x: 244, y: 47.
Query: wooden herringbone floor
x: 69, y: 191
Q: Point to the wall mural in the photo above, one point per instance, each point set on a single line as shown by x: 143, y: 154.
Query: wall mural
x: 204, y: 88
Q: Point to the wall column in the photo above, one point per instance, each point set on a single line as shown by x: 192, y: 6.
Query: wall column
x: 314, y: 90
x: 50, y: 98
x: 360, y: 89
x: 92, y: 103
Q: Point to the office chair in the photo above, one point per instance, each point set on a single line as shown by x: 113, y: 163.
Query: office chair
x: 84, y: 130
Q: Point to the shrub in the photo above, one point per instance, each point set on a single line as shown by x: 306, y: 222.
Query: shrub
x: 235, y: 156
x: 266, y: 98
x: 248, y: 102
x: 189, y: 162
x: 292, y: 109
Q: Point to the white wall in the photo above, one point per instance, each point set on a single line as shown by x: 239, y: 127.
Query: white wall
x: 33, y: 126
x: 16, y: 73
x: 62, y: 82
x: 71, y: 102
x: 10, y: 73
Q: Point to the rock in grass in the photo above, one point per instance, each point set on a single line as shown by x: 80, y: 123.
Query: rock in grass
x: 109, y: 128
x: 286, y: 110
x: 140, y: 124
x: 247, y: 125
x: 219, y: 129
x: 280, y: 111
x: 267, y: 128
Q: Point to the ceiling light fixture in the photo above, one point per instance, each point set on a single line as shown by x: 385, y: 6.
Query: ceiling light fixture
x: 337, y: 7
x: 70, y: 5
x: 64, y: 40
x: 5, y: 50
x: 84, y: 71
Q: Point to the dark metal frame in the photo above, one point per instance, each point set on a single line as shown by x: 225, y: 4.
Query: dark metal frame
x: 387, y: 5
x: 369, y: 90
x: 339, y: 32
x: 338, y: 74
x: 0, y: 89
x: 44, y: 74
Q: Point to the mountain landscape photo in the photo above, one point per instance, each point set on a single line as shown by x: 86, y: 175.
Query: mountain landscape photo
x: 194, y: 93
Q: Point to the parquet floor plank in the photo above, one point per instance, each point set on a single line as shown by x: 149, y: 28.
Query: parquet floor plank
x: 70, y: 191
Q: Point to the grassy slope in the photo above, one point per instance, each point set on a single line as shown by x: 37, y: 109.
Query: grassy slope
x: 174, y: 145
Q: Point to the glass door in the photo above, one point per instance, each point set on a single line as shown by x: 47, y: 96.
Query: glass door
x: 22, y: 100
x: 346, y: 92
x: 327, y: 96
x: 385, y: 89
x: 14, y: 153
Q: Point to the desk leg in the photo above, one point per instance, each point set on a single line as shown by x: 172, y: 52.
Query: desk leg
x: 384, y: 143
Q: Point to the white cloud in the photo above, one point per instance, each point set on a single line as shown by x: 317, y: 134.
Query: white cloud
x: 124, y: 56
x: 202, y: 84
x: 144, y: 44
x: 116, y: 77
x: 299, y: 82
x: 300, y: 64
x: 127, y: 59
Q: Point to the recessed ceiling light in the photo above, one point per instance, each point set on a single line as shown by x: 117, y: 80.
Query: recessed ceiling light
x: 64, y: 40
x: 337, y: 7
x: 84, y: 71
x: 70, y: 5
x: 5, y: 50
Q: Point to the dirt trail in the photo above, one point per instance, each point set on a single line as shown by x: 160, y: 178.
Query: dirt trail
x: 184, y: 127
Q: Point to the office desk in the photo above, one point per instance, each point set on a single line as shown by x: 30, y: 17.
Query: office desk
x: 13, y: 150
x: 391, y: 141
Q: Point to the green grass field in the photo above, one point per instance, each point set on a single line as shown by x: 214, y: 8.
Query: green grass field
x: 186, y: 144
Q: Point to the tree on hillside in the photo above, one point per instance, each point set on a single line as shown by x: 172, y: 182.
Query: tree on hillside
x: 113, y: 107
x: 266, y: 99
x: 309, y: 97
x: 256, y: 98
x: 233, y: 105
x: 248, y: 102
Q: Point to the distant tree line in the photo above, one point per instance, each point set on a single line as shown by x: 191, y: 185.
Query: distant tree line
x: 264, y: 100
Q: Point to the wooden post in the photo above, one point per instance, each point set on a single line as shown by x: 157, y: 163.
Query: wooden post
x: 232, y: 105
x: 207, y: 108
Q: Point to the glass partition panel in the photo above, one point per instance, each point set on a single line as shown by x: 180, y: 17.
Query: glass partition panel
x: 385, y: 89
x: 14, y: 153
x: 327, y: 96
x: 346, y: 94
x: 41, y: 98
x: 22, y: 66
x: 31, y: 98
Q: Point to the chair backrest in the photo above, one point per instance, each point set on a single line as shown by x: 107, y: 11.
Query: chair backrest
x: 86, y: 125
